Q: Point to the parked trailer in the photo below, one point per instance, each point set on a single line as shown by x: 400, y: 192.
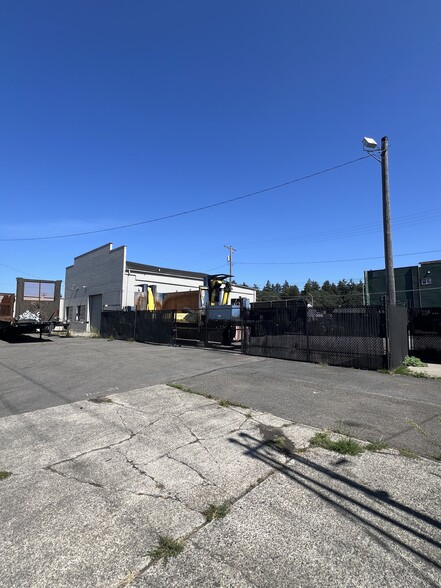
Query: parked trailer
x: 33, y: 309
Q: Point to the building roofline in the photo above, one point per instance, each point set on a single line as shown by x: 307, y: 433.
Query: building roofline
x: 154, y: 269
x: 107, y: 245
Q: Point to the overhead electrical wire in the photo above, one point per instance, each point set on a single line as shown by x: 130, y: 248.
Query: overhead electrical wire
x: 192, y: 210
x: 331, y: 260
x: 334, y: 234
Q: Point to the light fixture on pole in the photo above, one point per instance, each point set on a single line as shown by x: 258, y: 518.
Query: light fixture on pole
x: 371, y: 147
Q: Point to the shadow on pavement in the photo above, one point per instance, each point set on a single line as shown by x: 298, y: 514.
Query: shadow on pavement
x: 24, y: 339
x: 349, y: 504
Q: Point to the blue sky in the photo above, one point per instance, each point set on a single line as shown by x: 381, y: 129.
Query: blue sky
x: 114, y: 113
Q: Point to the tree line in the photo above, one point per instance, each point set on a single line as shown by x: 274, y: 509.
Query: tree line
x: 344, y: 293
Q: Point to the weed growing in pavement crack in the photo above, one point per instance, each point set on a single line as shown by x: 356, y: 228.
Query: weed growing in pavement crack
x: 166, y: 548
x: 183, y: 388
x: 4, y: 474
x: 279, y: 442
x: 408, y: 453
x: 413, y: 361
x: 405, y: 371
x: 226, y: 403
x: 101, y: 400
x: 344, y: 446
x: 433, y: 439
x: 216, y: 511
x: 223, y: 402
x: 376, y: 446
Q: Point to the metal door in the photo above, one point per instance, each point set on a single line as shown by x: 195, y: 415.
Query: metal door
x: 95, y: 307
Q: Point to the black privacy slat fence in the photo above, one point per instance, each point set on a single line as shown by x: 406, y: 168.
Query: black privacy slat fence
x: 353, y: 337
x: 148, y: 327
x: 365, y: 337
x: 425, y: 333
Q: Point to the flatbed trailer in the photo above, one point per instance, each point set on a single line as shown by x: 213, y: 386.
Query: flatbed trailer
x: 10, y: 330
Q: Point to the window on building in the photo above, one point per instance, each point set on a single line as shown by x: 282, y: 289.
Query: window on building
x: 426, y: 281
x: 81, y: 313
x: 38, y: 291
x: 69, y: 313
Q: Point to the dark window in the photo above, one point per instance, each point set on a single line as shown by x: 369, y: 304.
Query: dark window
x: 81, y: 313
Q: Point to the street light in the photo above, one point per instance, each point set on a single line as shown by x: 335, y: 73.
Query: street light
x: 371, y: 147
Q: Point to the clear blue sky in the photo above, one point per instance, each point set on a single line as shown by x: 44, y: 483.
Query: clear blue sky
x: 114, y: 113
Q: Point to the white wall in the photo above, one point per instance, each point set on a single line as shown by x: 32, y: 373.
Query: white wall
x: 99, y: 271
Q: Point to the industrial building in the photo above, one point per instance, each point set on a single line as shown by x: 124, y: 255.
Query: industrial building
x: 416, y: 286
x: 103, y: 279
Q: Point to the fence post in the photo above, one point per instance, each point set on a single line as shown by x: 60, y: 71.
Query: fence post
x: 308, y: 351
x: 387, y: 327
x: 174, y: 329
x: 242, y: 327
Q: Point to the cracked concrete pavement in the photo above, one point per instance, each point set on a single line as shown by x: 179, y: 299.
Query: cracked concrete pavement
x: 94, y: 486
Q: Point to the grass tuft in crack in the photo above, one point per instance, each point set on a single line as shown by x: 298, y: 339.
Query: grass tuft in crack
x: 216, y: 511
x: 4, y: 474
x: 413, y: 361
x: 279, y: 441
x: 407, y: 453
x: 434, y: 439
x: 405, y: 371
x: 166, y: 548
x: 223, y: 402
x: 101, y: 400
x: 376, y: 446
x: 226, y: 403
x: 344, y: 446
x: 183, y: 388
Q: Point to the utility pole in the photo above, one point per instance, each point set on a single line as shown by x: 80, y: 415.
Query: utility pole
x: 390, y: 276
x: 230, y: 258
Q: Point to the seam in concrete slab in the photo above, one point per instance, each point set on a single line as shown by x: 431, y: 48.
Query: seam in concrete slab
x: 95, y: 449
x: 138, y: 573
x: 222, y: 560
x: 191, y: 468
x: 67, y: 477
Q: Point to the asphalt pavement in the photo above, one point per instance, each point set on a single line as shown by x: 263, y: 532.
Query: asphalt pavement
x: 369, y: 405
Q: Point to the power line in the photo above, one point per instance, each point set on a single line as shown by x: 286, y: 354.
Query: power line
x: 192, y: 210
x: 19, y: 271
x: 332, y: 260
x: 341, y: 233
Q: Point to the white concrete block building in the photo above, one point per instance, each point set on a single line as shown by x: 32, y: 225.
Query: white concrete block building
x: 103, y: 279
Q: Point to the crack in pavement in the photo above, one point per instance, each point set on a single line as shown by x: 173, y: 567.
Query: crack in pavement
x: 138, y: 573
x: 222, y: 560
x: 68, y: 477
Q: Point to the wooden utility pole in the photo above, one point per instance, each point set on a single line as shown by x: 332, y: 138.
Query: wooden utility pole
x: 230, y: 258
x: 389, y: 263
